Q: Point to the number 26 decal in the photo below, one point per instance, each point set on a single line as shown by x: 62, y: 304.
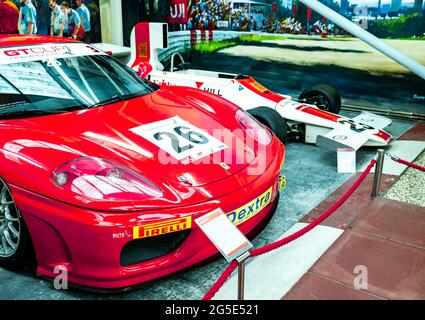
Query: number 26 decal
x: 179, y: 138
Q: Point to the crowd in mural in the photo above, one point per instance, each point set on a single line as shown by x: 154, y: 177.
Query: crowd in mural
x: 294, y: 26
x: 80, y: 19
x: 49, y: 17
x: 205, y: 14
x: 217, y: 14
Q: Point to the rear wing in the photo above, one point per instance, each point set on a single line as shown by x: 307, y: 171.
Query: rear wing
x: 146, y: 39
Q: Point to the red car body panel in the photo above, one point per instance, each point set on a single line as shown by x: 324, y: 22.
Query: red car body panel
x: 88, y: 236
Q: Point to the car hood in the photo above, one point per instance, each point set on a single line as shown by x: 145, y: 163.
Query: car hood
x: 33, y: 148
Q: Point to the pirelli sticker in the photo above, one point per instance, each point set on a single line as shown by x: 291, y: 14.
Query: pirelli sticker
x: 159, y: 228
x: 237, y: 217
x: 250, y: 209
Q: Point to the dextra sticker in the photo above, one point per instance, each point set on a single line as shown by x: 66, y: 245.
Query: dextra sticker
x: 45, y: 52
x: 250, y: 209
x: 159, y: 228
x: 180, y: 139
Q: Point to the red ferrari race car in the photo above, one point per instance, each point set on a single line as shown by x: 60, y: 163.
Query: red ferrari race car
x: 103, y: 173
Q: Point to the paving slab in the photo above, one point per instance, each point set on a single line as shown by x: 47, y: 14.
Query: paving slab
x: 416, y: 133
x: 395, y: 271
x: 315, y: 287
x: 393, y: 220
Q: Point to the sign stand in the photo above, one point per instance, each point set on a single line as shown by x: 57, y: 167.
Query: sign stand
x: 229, y: 240
x: 378, y: 173
x: 241, y: 274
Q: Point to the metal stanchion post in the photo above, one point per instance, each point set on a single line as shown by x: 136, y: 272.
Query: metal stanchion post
x: 241, y: 275
x: 378, y: 173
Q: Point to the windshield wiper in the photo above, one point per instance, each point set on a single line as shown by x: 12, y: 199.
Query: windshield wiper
x: 115, y: 98
x: 14, y: 87
x: 33, y: 113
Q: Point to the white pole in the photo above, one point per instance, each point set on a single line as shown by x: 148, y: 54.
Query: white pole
x: 111, y: 17
x: 367, y: 37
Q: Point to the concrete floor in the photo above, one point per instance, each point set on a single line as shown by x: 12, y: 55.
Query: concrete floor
x: 311, y: 176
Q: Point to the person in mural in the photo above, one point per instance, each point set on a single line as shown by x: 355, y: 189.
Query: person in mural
x: 9, y: 17
x: 56, y: 19
x: 27, y: 23
x: 72, y: 22
x: 84, y: 13
x: 43, y: 16
x: 93, y: 6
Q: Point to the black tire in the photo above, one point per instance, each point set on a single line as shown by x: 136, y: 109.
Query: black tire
x: 271, y: 119
x: 24, y: 252
x: 324, y: 97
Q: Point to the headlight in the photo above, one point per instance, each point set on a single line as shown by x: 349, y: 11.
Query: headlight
x: 101, y: 179
x: 253, y: 128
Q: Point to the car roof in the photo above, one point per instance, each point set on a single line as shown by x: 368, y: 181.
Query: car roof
x: 14, y: 40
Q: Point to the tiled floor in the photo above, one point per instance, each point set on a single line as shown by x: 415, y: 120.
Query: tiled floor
x: 384, y: 238
x: 416, y: 133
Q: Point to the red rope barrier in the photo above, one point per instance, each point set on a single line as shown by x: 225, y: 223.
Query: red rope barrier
x: 259, y: 251
x: 324, y: 216
x: 220, y: 281
x: 409, y: 164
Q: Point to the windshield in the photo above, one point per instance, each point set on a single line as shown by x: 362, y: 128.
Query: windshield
x: 63, y: 84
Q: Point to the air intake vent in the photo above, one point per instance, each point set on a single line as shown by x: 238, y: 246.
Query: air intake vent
x: 145, y: 249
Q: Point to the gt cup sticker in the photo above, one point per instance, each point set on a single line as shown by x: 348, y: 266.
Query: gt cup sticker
x: 159, y: 228
x: 180, y: 139
x: 44, y: 52
x: 250, y: 209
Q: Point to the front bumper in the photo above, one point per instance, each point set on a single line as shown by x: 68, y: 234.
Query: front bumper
x: 89, y: 243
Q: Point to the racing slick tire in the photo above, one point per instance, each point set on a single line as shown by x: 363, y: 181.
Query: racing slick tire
x: 15, y: 243
x: 271, y: 119
x: 324, y: 96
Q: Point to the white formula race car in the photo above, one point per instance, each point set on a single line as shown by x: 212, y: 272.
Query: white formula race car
x: 312, y: 117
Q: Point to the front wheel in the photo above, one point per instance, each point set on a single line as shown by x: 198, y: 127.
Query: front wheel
x: 271, y: 119
x: 15, y: 244
x: 324, y: 97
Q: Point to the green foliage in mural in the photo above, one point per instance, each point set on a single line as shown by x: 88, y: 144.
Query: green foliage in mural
x: 412, y: 25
